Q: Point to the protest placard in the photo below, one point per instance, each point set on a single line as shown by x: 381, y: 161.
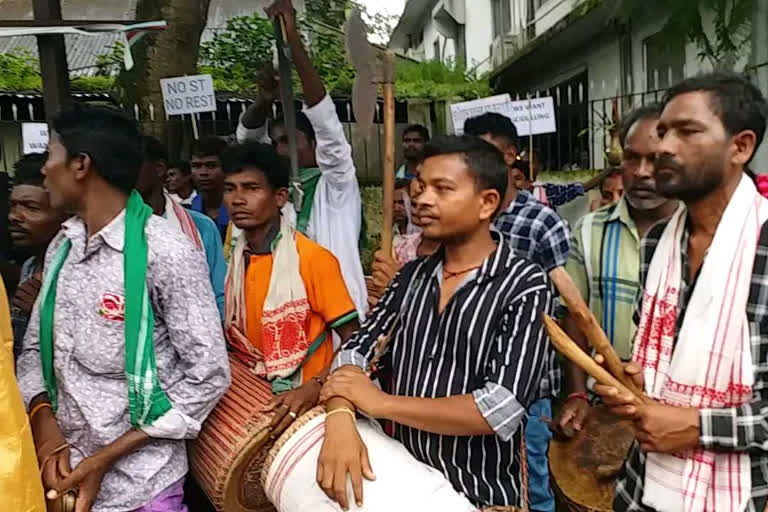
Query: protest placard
x: 541, y: 121
x: 34, y: 137
x: 188, y: 94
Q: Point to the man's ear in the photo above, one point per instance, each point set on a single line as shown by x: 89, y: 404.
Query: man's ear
x: 745, y: 146
x: 489, y: 203
x: 81, y: 164
x: 281, y: 196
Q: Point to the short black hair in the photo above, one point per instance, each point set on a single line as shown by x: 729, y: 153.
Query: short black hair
x: 181, y: 165
x: 737, y: 102
x: 650, y: 111
x: 108, y: 136
x: 154, y: 150
x: 28, y: 170
x: 402, y: 183
x: 484, y: 161
x: 493, y: 124
x: 208, y: 146
x: 303, y: 124
x: 417, y: 128
x: 254, y: 155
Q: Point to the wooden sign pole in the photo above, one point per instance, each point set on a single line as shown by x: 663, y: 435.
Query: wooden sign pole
x: 388, y: 187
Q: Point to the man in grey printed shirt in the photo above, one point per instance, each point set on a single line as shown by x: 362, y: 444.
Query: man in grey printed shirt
x: 135, y: 359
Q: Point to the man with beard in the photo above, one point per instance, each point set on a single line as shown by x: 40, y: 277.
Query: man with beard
x: 604, y: 261
x: 414, y: 138
x: 33, y: 223
x: 701, y: 348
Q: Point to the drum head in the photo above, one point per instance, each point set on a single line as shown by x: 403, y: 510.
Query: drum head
x: 584, y: 468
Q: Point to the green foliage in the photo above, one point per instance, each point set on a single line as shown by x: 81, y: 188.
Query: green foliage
x: 93, y: 84
x: 438, y: 81
x: 111, y: 63
x: 236, y: 54
x: 19, y: 72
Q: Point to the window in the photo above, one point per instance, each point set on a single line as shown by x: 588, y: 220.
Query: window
x: 502, y: 17
x: 664, y: 61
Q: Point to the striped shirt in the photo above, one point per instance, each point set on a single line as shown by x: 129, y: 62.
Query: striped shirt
x: 488, y: 341
x: 604, y: 264
x: 538, y: 233
x: 741, y: 429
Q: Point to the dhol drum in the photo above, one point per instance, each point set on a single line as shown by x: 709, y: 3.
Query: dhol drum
x: 584, y: 468
x: 227, y: 457
x: 402, y: 482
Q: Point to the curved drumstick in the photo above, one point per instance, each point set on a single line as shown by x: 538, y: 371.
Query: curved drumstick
x: 591, y: 329
x: 566, y: 346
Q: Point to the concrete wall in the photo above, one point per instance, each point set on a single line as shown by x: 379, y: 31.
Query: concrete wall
x: 479, y: 34
x: 551, y: 12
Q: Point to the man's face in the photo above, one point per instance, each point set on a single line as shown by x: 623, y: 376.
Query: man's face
x: 413, y: 145
x: 694, y: 150
x: 208, y: 173
x: 399, y: 213
x: 32, y: 221
x: 449, y: 204
x: 151, y: 176
x: 611, y: 190
x: 251, y: 200
x: 305, y: 148
x: 175, y: 180
x: 520, y: 180
x: 637, y: 165
x: 61, y: 175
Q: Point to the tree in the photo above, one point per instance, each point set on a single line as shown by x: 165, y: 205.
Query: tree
x: 172, y: 52
x: 686, y: 22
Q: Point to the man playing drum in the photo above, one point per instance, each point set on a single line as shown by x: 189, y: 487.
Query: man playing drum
x: 466, y: 347
x: 701, y: 349
x: 284, y: 293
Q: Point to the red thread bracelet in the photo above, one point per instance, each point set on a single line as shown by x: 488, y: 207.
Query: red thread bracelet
x: 582, y: 396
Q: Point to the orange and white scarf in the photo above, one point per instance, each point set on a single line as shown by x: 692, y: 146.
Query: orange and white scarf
x: 711, y: 364
x: 181, y: 218
x: 285, y: 316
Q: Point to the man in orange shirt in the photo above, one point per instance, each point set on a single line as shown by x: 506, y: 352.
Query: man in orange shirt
x: 284, y: 292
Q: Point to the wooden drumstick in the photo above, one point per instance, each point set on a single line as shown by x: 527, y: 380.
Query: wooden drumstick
x: 591, y: 328
x: 566, y: 346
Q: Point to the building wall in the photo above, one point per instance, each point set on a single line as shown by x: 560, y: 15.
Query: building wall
x: 479, y: 34
x: 550, y: 12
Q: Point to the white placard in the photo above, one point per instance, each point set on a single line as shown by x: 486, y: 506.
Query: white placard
x: 460, y: 112
x: 34, y: 137
x: 518, y: 111
x: 188, y: 94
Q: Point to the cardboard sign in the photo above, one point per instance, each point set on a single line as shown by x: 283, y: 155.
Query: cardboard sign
x: 542, y: 120
x: 188, y: 94
x: 34, y: 137
x: 460, y: 112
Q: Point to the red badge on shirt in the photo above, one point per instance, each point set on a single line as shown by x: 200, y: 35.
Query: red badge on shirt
x: 112, y: 307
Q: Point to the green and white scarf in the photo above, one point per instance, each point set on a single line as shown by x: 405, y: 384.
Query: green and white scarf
x: 146, y: 400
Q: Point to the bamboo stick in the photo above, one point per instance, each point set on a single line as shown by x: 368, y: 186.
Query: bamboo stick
x: 388, y: 187
x: 566, y: 346
x: 587, y: 322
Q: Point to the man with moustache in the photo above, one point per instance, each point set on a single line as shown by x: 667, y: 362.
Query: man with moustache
x: 33, y: 223
x: 415, y: 137
x: 604, y: 261
x: 701, y: 348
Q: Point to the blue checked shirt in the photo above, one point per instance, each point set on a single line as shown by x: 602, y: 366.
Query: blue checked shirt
x: 739, y: 429
x: 538, y: 234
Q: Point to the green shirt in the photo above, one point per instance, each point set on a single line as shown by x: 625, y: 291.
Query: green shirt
x: 609, y: 277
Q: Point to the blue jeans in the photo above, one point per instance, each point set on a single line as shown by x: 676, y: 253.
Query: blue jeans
x: 537, y: 437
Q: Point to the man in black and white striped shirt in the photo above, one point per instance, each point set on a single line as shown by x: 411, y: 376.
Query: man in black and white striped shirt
x: 467, y: 348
